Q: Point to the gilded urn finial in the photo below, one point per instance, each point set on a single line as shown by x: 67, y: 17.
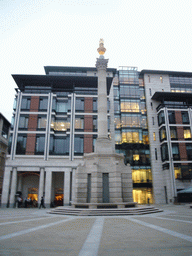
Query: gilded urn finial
x: 101, y: 50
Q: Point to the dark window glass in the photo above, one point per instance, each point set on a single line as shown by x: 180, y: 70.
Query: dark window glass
x: 94, y: 123
x: 59, y: 145
x: 40, y: 145
x: 164, y: 152
x: 173, y: 133
x: 175, y: 151
x: 116, y: 106
x: 78, y: 145
x: 62, y: 105
x: 171, y: 115
x: 79, y: 104
x: 155, y: 153
x: 9, y: 144
x: 21, y: 144
x: 161, y: 118
x: 185, y: 117
x: 162, y: 134
x: 189, y: 151
x: 94, y: 105
x: 25, y: 103
x: 116, y: 92
x: 43, y: 104
x: 23, y: 122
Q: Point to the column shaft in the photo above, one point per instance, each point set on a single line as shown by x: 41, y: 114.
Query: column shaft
x: 41, y: 185
x: 13, y: 187
x: 48, y: 185
x: 66, y: 187
x: 6, y: 184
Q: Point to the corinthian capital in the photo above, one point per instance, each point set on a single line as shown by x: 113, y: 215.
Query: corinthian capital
x: 101, y: 64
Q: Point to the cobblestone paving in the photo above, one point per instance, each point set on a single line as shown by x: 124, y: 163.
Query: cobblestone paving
x: 34, y: 232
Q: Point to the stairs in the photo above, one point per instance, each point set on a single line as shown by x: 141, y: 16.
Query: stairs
x: 140, y: 210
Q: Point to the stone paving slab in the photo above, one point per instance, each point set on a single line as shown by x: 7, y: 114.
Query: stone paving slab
x: 92, y: 236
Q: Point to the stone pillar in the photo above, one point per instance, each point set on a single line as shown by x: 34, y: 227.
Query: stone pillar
x: 48, y: 185
x: 73, y: 184
x: 101, y: 66
x: 66, y: 186
x: 41, y: 185
x: 13, y: 187
x: 5, y: 190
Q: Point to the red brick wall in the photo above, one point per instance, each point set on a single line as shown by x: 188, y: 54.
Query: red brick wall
x: 178, y: 117
x: 88, y: 125
x: 180, y: 133
x: 183, y: 152
x: 30, y: 146
x: 32, y: 126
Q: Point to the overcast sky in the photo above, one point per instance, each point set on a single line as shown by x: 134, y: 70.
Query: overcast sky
x: 148, y: 34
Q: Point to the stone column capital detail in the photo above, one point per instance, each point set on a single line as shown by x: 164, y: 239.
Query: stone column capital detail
x: 101, y: 64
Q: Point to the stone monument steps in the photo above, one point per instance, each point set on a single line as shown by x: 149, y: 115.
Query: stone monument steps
x: 105, y: 212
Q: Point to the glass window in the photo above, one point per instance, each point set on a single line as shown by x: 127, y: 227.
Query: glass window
x: 62, y: 105
x: 40, y: 145
x: 155, y: 153
x: 171, y: 115
x: 117, y: 122
x: 94, y: 123
x: 145, y: 137
x: 185, y: 117
x: 161, y: 79
x: 163, y: 135
x: 175, y: 151
x: 60, y: 124
x: 189, y: 151
x: 23, y: 122
x: 116, y: 106
x: 59, y: 145
x: 79, y: 104
x: 10, y: 143
x: 21, y: 144
x: 173, y: 133
x: 95, y: 105
x: 5, y: 129
x: 116, y: 91
x: 25, y: 103
x: 117, y: 137
x: 129, y: 106
x: 187, y: 133
x: 43, y: 104
x: 79, y: 123
x: 78, y: 145
x: 161, y: 118
x: 164, y: 152
x: 154, y: 136
x: 131, y: 137
x: 42, y: 121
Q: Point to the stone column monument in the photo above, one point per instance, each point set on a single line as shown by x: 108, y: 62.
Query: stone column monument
x: 103, y: 180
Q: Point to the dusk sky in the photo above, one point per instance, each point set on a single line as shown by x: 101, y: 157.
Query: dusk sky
x: 148, y: 34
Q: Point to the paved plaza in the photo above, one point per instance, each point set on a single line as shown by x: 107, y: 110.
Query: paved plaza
x: 35, y: 232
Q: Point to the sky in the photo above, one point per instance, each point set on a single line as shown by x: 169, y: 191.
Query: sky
x: 148, y: 34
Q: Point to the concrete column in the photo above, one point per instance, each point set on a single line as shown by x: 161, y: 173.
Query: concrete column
x: 66, y: 186
x: 41, y: 185
x: 48, y: 185
x: 5, y: 190
x: 73, y: 184
x: 13, y: 187
x: 101, y: 66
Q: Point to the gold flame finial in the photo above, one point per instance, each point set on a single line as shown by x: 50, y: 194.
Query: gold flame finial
x: 101, y: 50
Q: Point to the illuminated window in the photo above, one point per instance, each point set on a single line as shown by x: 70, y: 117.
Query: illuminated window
x: 187, y: 133
x: 60, y: 125
x: 128, y: 106
x: 79, y: 123
x: 173, y: 132
x: 154, y: 136
x: 135, y: 157
x: 177, y: 172
x: 130, y: 137
x: 161, y: 79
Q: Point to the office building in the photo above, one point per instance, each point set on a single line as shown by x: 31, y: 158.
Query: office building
x: 55, y: 123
